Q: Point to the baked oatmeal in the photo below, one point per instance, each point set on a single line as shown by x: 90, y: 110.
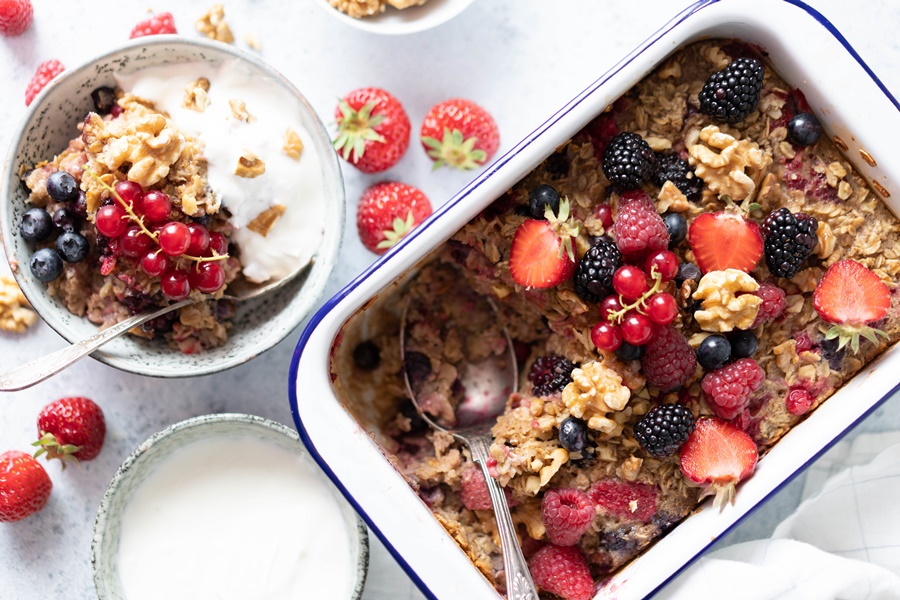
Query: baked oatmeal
x: 359, y: 9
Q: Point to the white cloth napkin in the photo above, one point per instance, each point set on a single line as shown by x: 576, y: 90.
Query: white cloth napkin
x: 842, y: 542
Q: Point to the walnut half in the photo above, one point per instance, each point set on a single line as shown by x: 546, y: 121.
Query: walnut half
x: 728, y: 301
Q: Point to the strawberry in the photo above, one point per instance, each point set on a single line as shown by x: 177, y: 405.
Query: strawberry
x: 460, y: 134
x: 46, y: 71
x: 725, y: 240
x: 718, y: 455
x: 373, y: 129
x: 71, y: 429
x: 159, y: 23
x: 388, y: 211
x: 15, y: 16
x: 850, y: 296
x: 24, y: 486
x: 541, y: 255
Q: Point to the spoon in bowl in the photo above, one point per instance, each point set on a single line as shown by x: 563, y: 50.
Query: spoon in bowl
x: 486, y: 383
x: 38, y: 370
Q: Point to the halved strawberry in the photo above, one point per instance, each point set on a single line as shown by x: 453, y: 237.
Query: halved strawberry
x: 725, y: 240
x: 718, y: 455
x: 850, y: 295
x: 541, y: 255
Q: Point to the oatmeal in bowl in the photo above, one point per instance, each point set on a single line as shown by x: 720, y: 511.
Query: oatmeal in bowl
x: 168, y: 171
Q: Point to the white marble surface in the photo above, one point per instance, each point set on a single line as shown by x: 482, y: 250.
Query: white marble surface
x: 521, y: 59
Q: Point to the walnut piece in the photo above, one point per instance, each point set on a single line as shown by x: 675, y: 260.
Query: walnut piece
x: 728, y: 301
x: 724, y: 172
x: 213, y: 25
x: 265, y: 220
x: 827, y: 240
x: 15, y: 314
x: 239, y: 111
x: 293, y: 145
x: 401, y: 4
x: 249, y: 165
x: 195, y: 95
x: 672, y: 199
x: 595, y: 392
x: 359, y: 8
x: 252, y: 42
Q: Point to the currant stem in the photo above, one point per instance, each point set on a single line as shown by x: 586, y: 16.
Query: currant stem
x: 131, y: 214
x: 640, y: 304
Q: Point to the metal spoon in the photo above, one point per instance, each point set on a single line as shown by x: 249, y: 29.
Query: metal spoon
x: 36, y: 371
x: 487, y: 384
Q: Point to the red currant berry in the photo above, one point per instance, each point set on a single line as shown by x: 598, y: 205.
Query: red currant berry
x: 217, y: 242
x: 630, y: 282
x: 174, y: 238
x: 207, y: 277
x: 155, y: 263
x: 111, y: 220
x: 174, y: 285
x: 666, y: 264
x: 129, y: 192
x: 662, y: 308
x: 603, y: 212
x: 155, y: 206
x: 199, y: 239
x: 637, y: 328
x: 610, y: 304
x: 606, y: 336
x: 135, y: 242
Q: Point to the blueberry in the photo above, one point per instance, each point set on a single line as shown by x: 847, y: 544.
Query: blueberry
x: 743, y: 344
x: 677, y: 227
x: 36, y: 225
x: 686, y: 271
x: 104, y: 99
x: 540, y: 197
x: 713, y: 352
x: 46, y: 265
x: 80, y: 205
x: 573, y: 434
x: 72, y: 247
x: 367, y: 355
x: 66, y: 219
x: 417, y: 367
x: 804, y: 129
x: 62, y: 187
x: 628, y: 352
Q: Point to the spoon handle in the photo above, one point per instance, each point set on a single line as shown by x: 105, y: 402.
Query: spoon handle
x: 519, y: 585
x: 42, y: 368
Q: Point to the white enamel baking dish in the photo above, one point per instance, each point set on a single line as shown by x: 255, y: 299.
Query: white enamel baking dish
x: 853, y: 105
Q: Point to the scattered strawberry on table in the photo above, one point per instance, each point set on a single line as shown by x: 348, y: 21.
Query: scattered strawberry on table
x: 71, y: 429
x: 460, y: 134
x: 157, y: 24
x: 373, y: 129
x: 46, y: 71
x: 15, y: 17
x: 24, y: 486
x: 387, y: 212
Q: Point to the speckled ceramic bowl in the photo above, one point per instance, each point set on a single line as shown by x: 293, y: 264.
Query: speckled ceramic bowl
x: 160, y: 447
x: 400, y: 22
x: 46, y: 131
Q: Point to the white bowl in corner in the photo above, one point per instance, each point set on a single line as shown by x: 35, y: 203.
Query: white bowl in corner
x: 400, y: 22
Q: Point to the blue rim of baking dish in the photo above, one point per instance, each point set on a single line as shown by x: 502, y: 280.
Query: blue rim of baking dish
x: 339, y: 296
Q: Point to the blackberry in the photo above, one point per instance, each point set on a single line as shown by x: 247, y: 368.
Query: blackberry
x: 663, y: 430
x: 550, y: 374
x: 628, y: 161
x: 540, y: 197
x: 731, y: 94
x: 593, y: 275
x: 790, y: 239
x: 671, y: 167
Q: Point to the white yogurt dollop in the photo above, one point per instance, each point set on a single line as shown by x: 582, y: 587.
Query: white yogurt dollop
x: 233, y: 518
x: 295, y: 184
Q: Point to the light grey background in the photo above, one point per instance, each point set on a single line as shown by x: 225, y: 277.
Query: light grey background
x: 521, y: 59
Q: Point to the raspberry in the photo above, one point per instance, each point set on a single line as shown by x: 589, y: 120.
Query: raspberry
x: 157, y: 24
x: 567, y: 513
x: 550, y: 374
x: 628, y: 161
x: 671, y: 167
x: 639, y: 228
x: 663, y: 430
x: 474, y: 493
x: 790, y: 239
x: 731, y: 94
x: 563, y: 571
x: 632, y: 501
x: 46, y: 71
x: 773, y: 303
x: 593, y: 275
x: 728, y: 389
x: 798, y: 401
x: 15, y: 16
x: 668, y: 359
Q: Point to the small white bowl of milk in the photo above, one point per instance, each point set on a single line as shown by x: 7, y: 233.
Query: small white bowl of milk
x: 226, y: 506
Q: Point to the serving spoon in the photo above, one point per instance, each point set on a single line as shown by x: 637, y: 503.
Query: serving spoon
x: 487, y: 385
x: 38, y: 370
